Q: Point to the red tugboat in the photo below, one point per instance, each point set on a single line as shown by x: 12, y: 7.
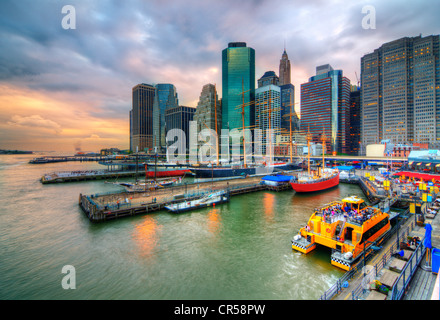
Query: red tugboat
x: 325, y: 179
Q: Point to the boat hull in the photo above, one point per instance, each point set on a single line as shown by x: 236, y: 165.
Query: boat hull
x: 316, y: 186
x: 206, y: 173
x: 167, y: 173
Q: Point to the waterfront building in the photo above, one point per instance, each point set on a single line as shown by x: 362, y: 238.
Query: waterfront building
x: 400, y: 94
x: 165, y: 98
x: 179, y: 118
x: 267, y: 114
x: 325, y: 103
x: 238, y: 76
x: 141, y: 117
x: 355, y: 121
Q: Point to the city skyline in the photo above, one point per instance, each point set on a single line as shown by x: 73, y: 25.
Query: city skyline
x: 60, y: 89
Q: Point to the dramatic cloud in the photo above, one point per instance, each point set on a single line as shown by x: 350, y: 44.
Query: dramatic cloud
x: 35, y: 121
x: 77, y: 83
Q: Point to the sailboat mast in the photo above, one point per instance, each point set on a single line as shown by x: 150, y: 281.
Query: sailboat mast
x: 242, y: 119
x: 323, y: 151
x: 308, y: 151
x: 216, y: 130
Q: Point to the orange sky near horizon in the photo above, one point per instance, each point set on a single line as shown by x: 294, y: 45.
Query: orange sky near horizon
x: 31, y: 120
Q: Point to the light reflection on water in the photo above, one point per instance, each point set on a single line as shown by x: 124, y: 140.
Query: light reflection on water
x: 237, y: 250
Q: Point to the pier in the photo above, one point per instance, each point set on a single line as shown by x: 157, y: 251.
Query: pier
x: 103, y: 207
x: 87, y: 175
x: 391, y: 271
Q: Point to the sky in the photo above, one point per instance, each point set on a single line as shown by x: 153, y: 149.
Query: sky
x: 70, y: 89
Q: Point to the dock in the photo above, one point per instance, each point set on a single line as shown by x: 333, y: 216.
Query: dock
x: 103, y: 207
x: 87, y: 175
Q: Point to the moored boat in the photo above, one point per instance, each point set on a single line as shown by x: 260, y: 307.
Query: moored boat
x: 326, y: 180
x: 208, y: 200
x: 348, y: 227
x: 241, y: 171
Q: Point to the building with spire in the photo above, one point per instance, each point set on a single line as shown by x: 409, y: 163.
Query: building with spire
x: 287, y: 95
x: 284, y: 69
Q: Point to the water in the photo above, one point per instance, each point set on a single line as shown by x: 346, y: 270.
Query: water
x: 238, y: 250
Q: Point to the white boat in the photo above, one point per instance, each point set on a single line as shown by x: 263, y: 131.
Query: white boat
x: 206, y: 201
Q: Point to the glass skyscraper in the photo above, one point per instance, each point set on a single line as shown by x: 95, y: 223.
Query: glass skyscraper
x: 325, y: 103
x: 267, y: 114
x: 400, y: 92
x: 165, y: 98
x: 238, y: 75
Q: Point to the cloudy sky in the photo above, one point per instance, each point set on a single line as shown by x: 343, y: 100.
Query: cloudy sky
x: 61, y: 89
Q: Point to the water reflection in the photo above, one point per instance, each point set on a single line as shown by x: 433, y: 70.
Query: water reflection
x: 269, y: 201
x: 214, y: 220
x: 146, y: 235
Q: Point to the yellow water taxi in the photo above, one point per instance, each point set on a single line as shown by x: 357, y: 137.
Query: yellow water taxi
x: 346, y: 227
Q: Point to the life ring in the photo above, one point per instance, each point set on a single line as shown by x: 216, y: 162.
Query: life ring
x: 328, y: 230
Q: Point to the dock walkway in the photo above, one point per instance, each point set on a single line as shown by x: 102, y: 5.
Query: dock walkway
x: 102, y: 207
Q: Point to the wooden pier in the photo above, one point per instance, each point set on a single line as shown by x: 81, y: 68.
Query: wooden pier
x: 103, y: 207
x: 99, y: 175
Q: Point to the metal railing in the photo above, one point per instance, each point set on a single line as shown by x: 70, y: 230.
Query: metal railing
x: 408, y: 272
x: 359, y: 290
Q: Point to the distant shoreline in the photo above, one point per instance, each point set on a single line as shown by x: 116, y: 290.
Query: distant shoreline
x: 15, y: 152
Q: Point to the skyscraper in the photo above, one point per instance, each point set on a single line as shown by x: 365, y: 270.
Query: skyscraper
x: 267, y: 114
x: 400, y: 93
x: 269, y: 77
x: 355, y: 121
x: 207, y: 106
x: 141, y: 117
x: 165, y: 98
x: 287, y: 95
x: 238, y: 76
x: 284, y: 69
x: 179, y: 118
x: 325, y: 102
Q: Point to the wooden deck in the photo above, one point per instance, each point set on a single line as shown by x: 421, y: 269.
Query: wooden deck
x: 421, y: 286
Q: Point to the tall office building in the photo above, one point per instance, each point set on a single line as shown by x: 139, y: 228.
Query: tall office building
x: 179, y: 118
x: 141, y: 117
x: 284, y: 69
x: 287, y: 95
x: 267, y: 114
x: 325, y: 103
x: 206, y: 108
x: 238, y: 76
x: 269, y: 77
x: 355, y: 121
x: 165, y: 98
x: 400, y: 93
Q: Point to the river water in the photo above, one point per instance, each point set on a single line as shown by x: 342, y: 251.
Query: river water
x: 239, y: 250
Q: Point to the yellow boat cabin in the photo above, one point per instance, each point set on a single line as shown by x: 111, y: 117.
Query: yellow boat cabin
x: 344, y: 226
